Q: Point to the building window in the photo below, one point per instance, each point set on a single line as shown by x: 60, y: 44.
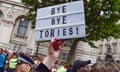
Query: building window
x: 63, y: 56
x: 15, y: 47
x: 23, y: 26
x: 109, y: 49
x: 114, y: 46
x: 18, y: 47
x: 100, y: 49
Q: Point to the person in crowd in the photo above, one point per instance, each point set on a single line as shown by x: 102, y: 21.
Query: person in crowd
x: 12, y: 63
x: 2, y: 60
x: 37, y: 60
x: 24, y: 63
x: 118, y: 66
x: 105, y: 67
x: 69, y: 69
x: 50, y: 59
x: 62, y: 67
x: 80, y: 66
x: 6, y: 62
x: 58, y: 63
x: 54, y: 68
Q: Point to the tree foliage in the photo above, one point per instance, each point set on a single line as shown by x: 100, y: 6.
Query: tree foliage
x: 101, y: 19
x: 102, y: 16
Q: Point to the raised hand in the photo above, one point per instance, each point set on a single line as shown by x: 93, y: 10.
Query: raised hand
x: 53, y: 52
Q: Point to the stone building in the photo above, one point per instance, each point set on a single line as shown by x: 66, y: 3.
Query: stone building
x: 112, y: 47
x: 15, y: 30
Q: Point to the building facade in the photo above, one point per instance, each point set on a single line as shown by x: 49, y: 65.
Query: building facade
x: 15, y: 30
x: 112, y: 46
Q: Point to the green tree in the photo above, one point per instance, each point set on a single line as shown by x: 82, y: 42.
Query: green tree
x: 102, y: 19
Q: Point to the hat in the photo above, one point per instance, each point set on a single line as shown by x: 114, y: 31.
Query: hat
x: 78, y: 63
x: 25, y: 59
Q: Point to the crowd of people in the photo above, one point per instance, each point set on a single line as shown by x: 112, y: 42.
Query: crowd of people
x: 21, y: 62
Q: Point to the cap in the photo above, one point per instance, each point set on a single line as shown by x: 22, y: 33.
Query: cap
x: 78, y: 63
x: 25, y: 59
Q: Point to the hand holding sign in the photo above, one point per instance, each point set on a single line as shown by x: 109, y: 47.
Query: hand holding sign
x: 53, y: 52
x: 56, y: 43
x: 54, y: 46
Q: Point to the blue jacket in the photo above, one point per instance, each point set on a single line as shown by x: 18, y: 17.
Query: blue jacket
x: 2, y: 60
